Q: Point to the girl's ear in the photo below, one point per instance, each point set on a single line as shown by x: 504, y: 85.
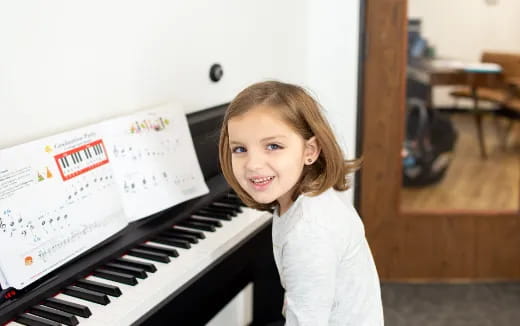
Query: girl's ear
x: 312, y: 150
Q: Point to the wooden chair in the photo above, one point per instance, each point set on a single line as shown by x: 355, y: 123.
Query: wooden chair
x: 502, y: 90
x: 510, y: 108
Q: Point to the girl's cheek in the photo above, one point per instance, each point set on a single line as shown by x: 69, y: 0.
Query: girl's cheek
x: 235, y: 167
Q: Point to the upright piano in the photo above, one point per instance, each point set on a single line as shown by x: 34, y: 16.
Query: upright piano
x: 178, y: 267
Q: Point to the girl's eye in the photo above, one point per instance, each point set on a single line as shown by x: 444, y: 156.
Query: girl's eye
x: 238, y: 149
x: 272, y: 147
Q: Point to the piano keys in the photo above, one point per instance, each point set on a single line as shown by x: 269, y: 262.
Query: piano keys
x: 180, y: 266
x: 99, y: 295
x: 81, y: 159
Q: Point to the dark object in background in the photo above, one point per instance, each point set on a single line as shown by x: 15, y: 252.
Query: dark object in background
x: 428, y: 146
x: 417, y: 44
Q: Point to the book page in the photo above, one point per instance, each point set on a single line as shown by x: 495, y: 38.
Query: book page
x: 3, y: 281
x: 58, y: 198
x: 154, y: 159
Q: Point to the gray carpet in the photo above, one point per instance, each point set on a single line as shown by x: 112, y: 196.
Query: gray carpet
x: 488, y: 304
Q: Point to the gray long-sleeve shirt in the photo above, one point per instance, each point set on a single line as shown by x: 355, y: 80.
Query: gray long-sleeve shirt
x: 325, y: 264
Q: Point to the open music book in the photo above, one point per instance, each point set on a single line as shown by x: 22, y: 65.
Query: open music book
x: 63, y: 194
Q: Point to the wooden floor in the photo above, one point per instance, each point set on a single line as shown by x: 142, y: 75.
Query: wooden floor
x: 472, y: 183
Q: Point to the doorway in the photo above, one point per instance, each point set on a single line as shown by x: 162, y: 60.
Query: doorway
x: 417, y: 245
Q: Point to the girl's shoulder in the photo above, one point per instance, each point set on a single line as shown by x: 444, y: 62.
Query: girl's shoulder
x: 330, y: 214
x: 331, y: 210
x: 330, y: 203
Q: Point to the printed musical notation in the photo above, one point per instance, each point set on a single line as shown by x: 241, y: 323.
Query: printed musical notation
x: 20, y: 229
x: 38, y: 207
x: 154, y: 161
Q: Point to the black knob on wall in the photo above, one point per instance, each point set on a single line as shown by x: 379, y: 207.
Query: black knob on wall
x: 216, y: 72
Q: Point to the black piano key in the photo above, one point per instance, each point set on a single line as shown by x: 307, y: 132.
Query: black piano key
x: 66, y: 161
x: 206, y: 213
x: 211, y: 212
x: 53, y: 314
x: 135, y: 271
x: 30, y: 320
x: 88, y: 295
x: 124, y: 278
x: 198, y: 226
x: 73, y: 308
x: 205, y: 221
x: 186, y: 237
x: 220, y: 210
x: 235, y: 197
x: 198, y: 234
x: 146, y: 254
x: 149, y: 267
x: 168, y: 251
x: 230, y: 201
x: 220, y: 217
x: 109, y: 289
x: 172, y: 242
x: 236, y: 208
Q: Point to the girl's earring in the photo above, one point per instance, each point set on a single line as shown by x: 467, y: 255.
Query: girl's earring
x: 309, y: 161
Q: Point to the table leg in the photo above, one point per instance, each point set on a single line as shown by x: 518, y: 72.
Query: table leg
x: 478, y: 121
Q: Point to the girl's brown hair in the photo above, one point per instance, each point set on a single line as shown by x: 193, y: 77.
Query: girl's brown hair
x: 302, y: 113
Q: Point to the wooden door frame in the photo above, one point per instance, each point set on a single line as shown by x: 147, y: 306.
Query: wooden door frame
x: 414, y: 246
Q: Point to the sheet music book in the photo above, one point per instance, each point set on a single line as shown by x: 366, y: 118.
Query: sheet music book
x: 63, y: 194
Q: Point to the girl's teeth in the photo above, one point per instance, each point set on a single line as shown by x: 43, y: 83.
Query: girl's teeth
x: 262, y: 180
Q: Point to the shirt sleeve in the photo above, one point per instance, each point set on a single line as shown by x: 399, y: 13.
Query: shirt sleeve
x: 309, y: 271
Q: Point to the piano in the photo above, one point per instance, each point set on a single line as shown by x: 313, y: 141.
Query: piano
x: 178, y: 267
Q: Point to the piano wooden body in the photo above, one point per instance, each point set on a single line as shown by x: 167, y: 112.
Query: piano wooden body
x: 188, y: 290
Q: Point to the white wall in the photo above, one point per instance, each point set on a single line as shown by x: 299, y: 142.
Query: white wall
x: 332, y: 64
x: 463, y: 29
x: 65, y: 64
x: 68, y: 63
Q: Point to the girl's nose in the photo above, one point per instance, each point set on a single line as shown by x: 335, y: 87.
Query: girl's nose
x: 254, y: 161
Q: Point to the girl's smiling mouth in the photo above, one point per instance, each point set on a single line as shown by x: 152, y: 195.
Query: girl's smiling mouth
x: 260, y: 183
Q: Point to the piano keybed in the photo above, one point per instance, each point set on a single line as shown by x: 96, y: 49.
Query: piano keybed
x: 151, y: 271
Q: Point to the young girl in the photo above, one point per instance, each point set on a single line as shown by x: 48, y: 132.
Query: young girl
x: 277, y: 151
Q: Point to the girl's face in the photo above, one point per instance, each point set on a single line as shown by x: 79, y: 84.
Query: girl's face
x: 267, y: 155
